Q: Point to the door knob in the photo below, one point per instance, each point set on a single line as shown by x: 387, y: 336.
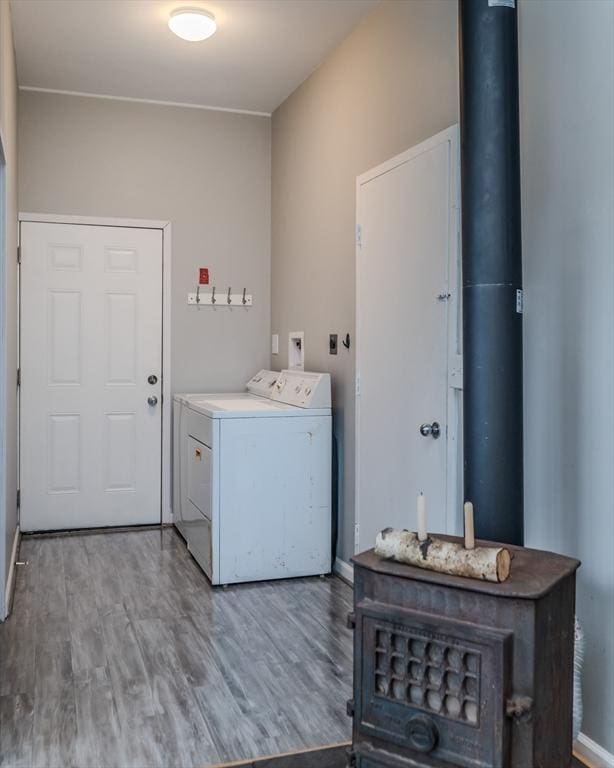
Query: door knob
x: 152, y: 400
x: 152, y: 379
x: 434, y: 430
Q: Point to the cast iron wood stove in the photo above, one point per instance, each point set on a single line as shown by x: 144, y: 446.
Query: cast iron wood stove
x: 450, y: 671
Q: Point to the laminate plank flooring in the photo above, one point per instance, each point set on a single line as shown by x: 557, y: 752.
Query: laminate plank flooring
x: 119, y: 654
x: 327, y: 757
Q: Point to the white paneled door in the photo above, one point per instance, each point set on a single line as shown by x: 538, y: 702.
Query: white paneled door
x: 408, y: 340
x: 91, y: 370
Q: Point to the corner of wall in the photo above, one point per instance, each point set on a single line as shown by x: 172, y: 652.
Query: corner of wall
x: 8, y: 323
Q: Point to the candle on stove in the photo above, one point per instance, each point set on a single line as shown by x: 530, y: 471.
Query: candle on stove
x: 422, y: 534
x: 469, y: 530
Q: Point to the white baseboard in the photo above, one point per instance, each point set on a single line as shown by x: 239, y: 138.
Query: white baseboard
x: 345, y: 570
x: 591, y: 753
x: 10, y: 582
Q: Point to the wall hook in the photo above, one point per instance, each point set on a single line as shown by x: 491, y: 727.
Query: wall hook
x: 198, y: 294
x: 213, y: 295
x: 228, y: 299
x: 346, y: 341
x: 244, y: 300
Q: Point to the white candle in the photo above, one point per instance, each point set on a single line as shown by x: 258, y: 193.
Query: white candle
x: 422, y: 534
x: 469, y: 531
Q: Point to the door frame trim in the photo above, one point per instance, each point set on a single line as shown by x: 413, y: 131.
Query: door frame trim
x: 454, y: 461
x: 6, y: 569
x: 166, y: 515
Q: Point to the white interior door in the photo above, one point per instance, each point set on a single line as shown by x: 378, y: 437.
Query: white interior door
x: 91, y: 336
x: 407, y: 332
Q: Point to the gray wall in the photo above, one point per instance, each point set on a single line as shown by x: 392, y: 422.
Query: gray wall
x: 206, y: 172
x: 567, y: 103
x: 392, y: 83
x: 8, y: 301
x: 388, y: 86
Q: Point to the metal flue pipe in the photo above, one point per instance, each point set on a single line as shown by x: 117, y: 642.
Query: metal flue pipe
x: 492, y: 268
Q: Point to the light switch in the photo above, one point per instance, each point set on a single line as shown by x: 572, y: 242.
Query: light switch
x: 275, y: 344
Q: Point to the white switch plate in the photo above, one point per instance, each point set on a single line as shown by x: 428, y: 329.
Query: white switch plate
x: 275, y: 344
x: 296, y: 350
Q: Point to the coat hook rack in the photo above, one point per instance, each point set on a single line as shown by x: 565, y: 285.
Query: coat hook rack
x: 200, y: 299
x: 346, y: 341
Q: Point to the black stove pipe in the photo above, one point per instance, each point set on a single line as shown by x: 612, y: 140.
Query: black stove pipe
x: 492, y: 268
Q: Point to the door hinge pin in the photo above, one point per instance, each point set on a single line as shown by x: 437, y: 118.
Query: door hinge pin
x: 19, y: 377
x: 518, y: 706
x: 19, y: 254
x: 18, y: 498
x: 519, y: 301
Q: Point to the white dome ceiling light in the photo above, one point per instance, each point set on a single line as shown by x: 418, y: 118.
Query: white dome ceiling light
x: 192, y: 24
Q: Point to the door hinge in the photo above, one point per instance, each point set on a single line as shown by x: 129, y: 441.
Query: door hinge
x: 519, y: 707
x: 359, y: 236
x: 19, y: 254
x: 357, y: 387
x: 455, y: 372
x: 519, y: 301
x: 19, y: 377
x: 356, y: 537
x: 18, y: 498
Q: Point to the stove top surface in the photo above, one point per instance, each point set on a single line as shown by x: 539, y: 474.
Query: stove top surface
x: 533, y: 574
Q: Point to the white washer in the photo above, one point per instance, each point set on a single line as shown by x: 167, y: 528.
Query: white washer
x: 252, y: 477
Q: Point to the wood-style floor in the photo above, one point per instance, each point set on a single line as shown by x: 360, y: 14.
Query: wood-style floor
x: 118, y: 653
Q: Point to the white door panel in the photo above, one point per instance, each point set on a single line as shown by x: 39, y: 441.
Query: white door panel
x: 91, y: 334
x: 403, y: 305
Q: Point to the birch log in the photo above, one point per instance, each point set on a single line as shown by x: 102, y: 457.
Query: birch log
x: 485, y: 563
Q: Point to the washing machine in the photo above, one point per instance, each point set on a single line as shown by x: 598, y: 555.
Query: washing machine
x: 252, y: 477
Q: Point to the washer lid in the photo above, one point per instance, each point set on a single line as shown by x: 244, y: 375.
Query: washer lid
x: 228, y: 405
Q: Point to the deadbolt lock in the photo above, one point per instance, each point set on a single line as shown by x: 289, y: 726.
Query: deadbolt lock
x: 152, y: 379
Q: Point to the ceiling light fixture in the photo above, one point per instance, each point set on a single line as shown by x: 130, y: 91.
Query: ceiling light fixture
x: 192, y: 24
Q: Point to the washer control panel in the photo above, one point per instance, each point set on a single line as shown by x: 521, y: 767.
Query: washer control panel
x: 305, y: 390
x: 262, y: 383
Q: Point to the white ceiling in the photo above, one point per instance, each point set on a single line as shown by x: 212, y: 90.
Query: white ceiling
x: 262, y: 51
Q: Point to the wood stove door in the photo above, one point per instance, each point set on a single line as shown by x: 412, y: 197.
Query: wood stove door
x: 433, y: 689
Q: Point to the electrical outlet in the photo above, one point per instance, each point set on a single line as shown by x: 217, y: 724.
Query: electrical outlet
x: 332, y: 344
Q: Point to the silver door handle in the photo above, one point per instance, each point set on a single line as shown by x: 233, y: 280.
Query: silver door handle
x: 434, y: 430
x: 152, y: 400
